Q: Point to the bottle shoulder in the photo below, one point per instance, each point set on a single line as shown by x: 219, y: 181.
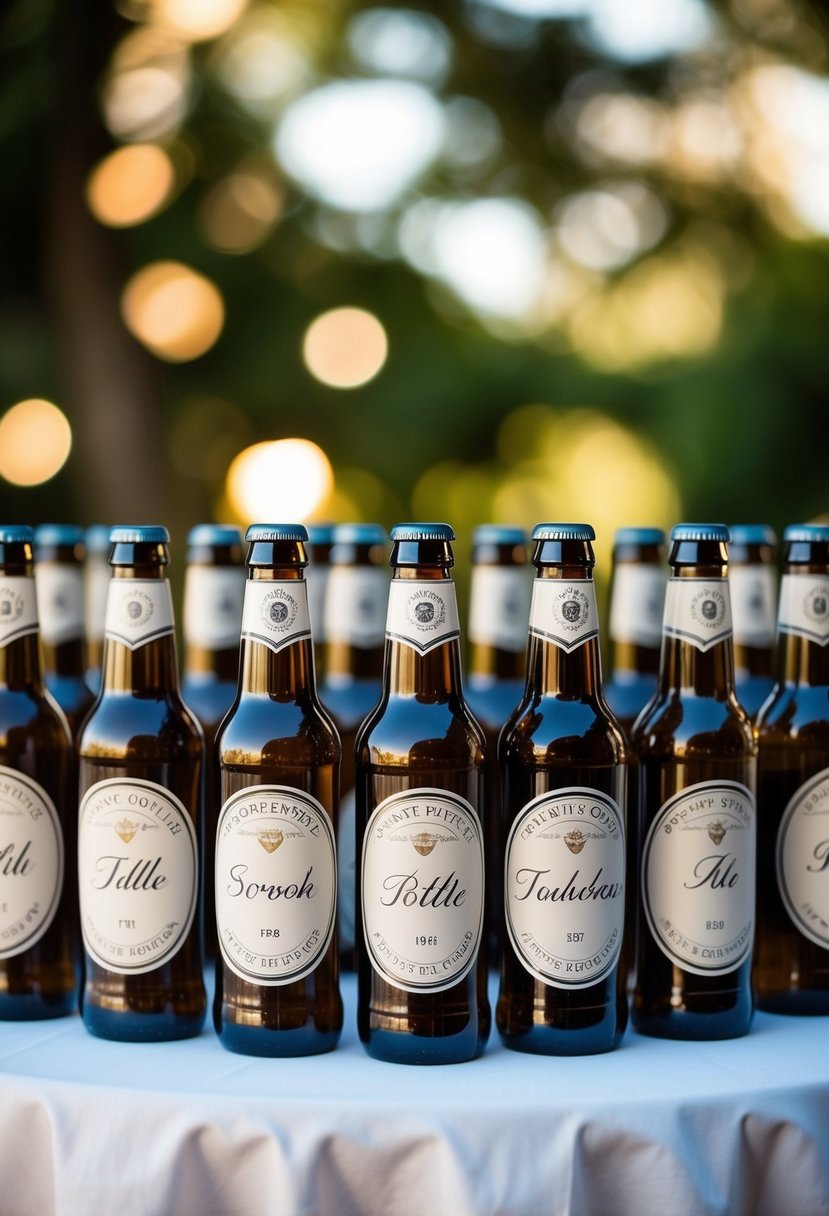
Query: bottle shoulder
x: 165, y: 727
x: 795, y: 711
x: 31, y: 718
x: 255, y: 722
x: 551, y: 729
x: 403, y: 726
x: 676, y: 722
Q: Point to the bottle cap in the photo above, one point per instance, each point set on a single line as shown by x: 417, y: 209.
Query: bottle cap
x: 49, y: 536
x: 404, y: 532
x: 16, y: 534
x: 563, y: 532
x: 359, y: 534
x: 715, y: 532
x: 752, y: 534
x: 639, y: 536
x: 141, y: 534
x: 320, y: 534
x: 498, y: 534
x: 97, y: 538
x: 214, y: 536
x: 806, y: 533
x: 275, y: 532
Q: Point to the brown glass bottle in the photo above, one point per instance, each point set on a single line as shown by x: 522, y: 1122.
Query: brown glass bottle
x: 141, y: 756
x: 791, y: 962
x: 214, y: 587
x: 277, y: 990
x: 751, y: 577
x: 697, y: 822
x: 59, y: 549
x: 354, y: 629
x: 39, y: 948
x: 499, y: 608
x: 564, y: 763
x: 420, y: 849
x: 96, y: 576
x: 320, y: 542
x: 637, y: 596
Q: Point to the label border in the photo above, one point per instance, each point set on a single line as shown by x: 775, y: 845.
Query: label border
x: 52, y: 810
x: 785, y: 821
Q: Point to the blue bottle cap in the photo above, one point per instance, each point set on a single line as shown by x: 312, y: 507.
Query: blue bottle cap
x: 321, y: 534
x: 639, y: 536
x: 716, y: 532
x: 498, y: 534
x: 359, y: 534
x: 96, y: 538
x: 214, y: 536
x: 140, y: 534
x: 16, y: 534
x: 421, y: 532
x: 752, y: 534
x: 257, y: 533
x: 563, y: 532
x: 806, y: 533
x: 51, y: 535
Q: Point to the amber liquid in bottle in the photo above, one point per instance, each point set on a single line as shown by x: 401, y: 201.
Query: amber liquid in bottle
x: 422, y: 748
x: 697, y: 828
x: 139, y: 832
x: 39, y: 951
x: 59, y: 579
x: 277, y: 736
x: 753, y: 599
x: 564, y: 763
x: 791, y: 963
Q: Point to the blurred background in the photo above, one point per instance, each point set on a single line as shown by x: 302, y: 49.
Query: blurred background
x: 478, y: 260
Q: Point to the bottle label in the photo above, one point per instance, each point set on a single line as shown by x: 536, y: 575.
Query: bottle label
x: 564, y: 883
x: 698, y: 877
x: 637, y: 604
x: 276, y: 883
x: 97, y: 576
x: 276, y: 613
x: 698, y: 610
x: 422, y: 615
x: 423, y: 889
x: 803, y: 858
x: 316, y: 583
x: 213, y: 597
x: 564, y: 612
x: 500, y: 607
x: 59, y: 602
x: 138, y: 874
x: 139, y: 610
x: 752, y: 604
x: 31, y: 862
x: 347, y: 869
x: 18, y: 608
x: 355, y: 606
x: 804, y: 606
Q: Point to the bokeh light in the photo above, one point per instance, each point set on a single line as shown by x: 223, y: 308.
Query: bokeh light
x: 35, y: 441
x: 345, y: 348
x: 279, y: 479
x: 197, y: 20
x: 175, y: 312
x: 241, y: 209
x: 401, y: 42
x: 130, y: 185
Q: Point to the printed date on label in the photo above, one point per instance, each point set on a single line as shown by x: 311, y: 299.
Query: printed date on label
x: 422, y: 939
x: 715, y: 924
x: 575, y: 937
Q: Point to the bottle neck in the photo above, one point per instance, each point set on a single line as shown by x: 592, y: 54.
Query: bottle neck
x: 345, y: 661
x: 633, y: 659
x: 499, y: 604
x: 139, y: 603
x: 59, y: 583
x: 20, y: 651
x: 803, y: 627
x: 637, y: 601
x: 213, y: 594
x: 563, y: 658
x: 277, y: 658
x: 490, y: 662
x: 67, y: 659
x: 697, y: 647
x: 422, y: 609
x: 753, y: 660
x: 221, y: 665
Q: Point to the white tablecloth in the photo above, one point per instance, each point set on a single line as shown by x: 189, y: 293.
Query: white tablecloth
x: 91, y: 1128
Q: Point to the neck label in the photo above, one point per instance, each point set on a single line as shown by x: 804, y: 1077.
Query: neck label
x: 637, y: 604
x: 276, y: 883
x: 18, y: 608
x: 213, y: 597
x: 59, y: 602
x: 753, y: 606
x: 698, y: 877
x: 422, y: 615
x: 137, y: 874
x: 423, y: 889
x: 316, y: 583
x: 564, y: 612
x: 500, y: 607
x: 97, y: 577
x: 138, y: 611
x: 276, y: 613
x: 804, y: 606
x: 564, y: 883
x: 803, y: 858
x: 698, y: 610
x: 31, y: 862
x: 355, y: 606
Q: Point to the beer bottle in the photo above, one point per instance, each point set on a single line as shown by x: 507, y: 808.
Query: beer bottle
x: 214, y: 587
x: 791, y: 965
x: 499, y: 608
x: 96, y: 576
x: 420, y: 758
x: 141, y: 755
x: 697, y: 823
x: 39, y: 963
x: 354, y: 629
x: 753, y: 603
x: 59, y: 549
x: 320, y: 542
x: 637, y: 597
x: 564, y: 763
x: 277, y: 990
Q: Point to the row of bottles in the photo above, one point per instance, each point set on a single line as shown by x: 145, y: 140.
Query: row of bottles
x: 422, y: 825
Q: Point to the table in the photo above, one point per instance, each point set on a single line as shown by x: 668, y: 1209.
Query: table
x: 92, y: 1128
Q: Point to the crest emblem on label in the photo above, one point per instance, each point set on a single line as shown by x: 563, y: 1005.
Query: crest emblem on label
x: 637, y: 604
x: 355, y: 605
x: 138, y: 611
x: 32, y: 857
x: 564, y: 612
x: 422, y: 615
x: 500, y: 607
x: 753, y: 604
x: 213, y: 597
x: 803, y: 858
x: 698, y: 611
x: 276, y: 613
x: 804, y: 607
x: 18, y: 609
x: 59, y: 601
